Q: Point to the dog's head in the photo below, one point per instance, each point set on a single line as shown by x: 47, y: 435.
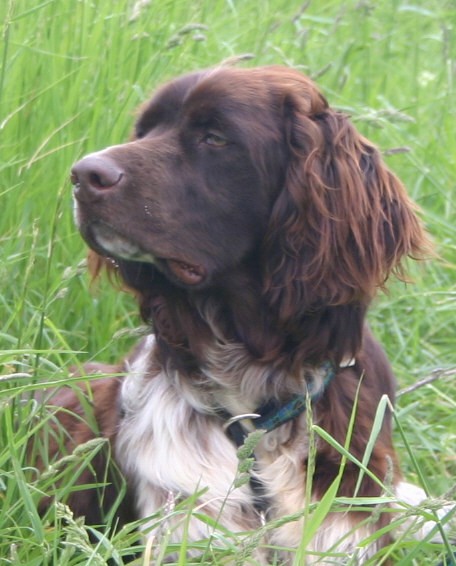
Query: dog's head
x: 230, y: 168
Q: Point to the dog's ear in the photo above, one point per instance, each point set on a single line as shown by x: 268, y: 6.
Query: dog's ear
x: 342, y: 222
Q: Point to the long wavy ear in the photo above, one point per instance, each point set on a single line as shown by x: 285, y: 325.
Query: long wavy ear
x: 342, y: 222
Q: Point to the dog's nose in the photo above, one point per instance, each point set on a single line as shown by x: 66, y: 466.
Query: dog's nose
x: 95, y: 174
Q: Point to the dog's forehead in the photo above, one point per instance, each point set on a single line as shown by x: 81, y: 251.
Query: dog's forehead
x: 254, y: 92
x: 242, y: 86
x: 163, y: 104
x: 233, y: 95
x: 224, y: 92
x: 176, y: 90
x: 210, y: 93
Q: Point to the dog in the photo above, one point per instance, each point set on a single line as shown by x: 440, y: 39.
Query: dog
x: 254, y: 224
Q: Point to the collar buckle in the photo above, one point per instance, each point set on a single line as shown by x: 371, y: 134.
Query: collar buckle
x: 237, y: 418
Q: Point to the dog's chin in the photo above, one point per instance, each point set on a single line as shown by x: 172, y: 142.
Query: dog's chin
x: 107, y: 242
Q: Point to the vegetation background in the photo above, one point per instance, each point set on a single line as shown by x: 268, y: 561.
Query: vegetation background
x: 72, y: 73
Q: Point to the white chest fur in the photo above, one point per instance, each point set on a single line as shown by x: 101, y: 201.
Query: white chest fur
x: 170, y: 448
x: 166, y: 447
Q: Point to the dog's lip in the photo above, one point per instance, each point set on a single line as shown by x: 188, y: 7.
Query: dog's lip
x: 106, y: 240
x: 188, y: 273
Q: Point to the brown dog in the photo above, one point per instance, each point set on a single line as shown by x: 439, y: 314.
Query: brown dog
x: 255, y: 225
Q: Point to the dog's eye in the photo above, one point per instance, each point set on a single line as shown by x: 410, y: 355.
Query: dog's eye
x: 214, y: 140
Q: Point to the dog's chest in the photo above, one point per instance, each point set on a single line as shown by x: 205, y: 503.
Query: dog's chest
x: 168, y: 448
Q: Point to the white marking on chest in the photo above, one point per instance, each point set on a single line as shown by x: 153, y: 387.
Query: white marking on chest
x: 164, y: 445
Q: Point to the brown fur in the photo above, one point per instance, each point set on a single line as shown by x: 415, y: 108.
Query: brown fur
x: 249, y: 216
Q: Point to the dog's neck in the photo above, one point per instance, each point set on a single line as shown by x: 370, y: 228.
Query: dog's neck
x: 241, y: 321
x: 233, y: 312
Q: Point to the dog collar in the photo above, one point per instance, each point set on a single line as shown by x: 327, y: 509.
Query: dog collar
x: 273, y: 414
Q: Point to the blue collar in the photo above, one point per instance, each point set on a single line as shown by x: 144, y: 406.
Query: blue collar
x: 273, y: 414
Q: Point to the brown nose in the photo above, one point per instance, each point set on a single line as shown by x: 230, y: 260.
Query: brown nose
x: 95, y: 174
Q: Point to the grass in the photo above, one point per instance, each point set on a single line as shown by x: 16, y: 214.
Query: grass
x: 72, y: 73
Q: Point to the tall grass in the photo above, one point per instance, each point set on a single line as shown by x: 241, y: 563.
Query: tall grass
x: 72, y: 73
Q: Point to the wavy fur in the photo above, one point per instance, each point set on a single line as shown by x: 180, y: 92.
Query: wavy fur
x: 255, y: 225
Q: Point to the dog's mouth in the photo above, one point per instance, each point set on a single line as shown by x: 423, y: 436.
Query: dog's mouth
x: 106, y: 241
x: 188, y: 273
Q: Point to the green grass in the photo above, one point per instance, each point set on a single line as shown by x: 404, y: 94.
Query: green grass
x: 72, y: 73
